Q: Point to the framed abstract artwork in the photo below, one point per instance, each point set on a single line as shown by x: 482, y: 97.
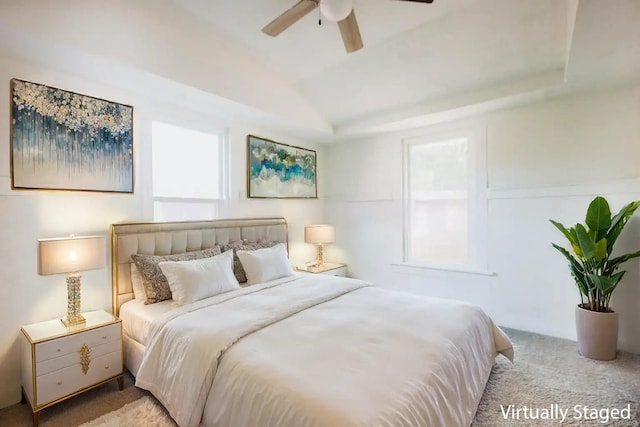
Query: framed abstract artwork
x: 62, y: 140
x: 276, y: 170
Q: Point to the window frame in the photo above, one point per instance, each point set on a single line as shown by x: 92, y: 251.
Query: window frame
x: 476, y: 198
x: 220, y: 203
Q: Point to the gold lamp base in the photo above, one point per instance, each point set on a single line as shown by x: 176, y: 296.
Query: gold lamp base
x: 76, y: 321
x: 319, y: 255
x: 74, y: 318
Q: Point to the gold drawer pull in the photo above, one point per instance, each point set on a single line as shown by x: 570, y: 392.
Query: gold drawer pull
x: 104, y: 337
x: 59, y: 382
x: 58, y: 350
x: 85, y: 358
x: 106, y: 367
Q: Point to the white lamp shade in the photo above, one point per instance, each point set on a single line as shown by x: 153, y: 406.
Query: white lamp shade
x: 321, y: 233
x: 71, y: 254
x: 336, y: 10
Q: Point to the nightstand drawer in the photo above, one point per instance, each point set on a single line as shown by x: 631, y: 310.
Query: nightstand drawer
x: 70, y: 359
x: 69, y: 380
x: 71, y: 344
x: 340, y: 271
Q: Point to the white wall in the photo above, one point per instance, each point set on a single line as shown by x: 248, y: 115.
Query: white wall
x: 158, y: 37
x: 544, y: 161
x: 26, y: 216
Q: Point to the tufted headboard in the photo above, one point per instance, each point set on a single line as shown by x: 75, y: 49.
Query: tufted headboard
x: 164, y: 238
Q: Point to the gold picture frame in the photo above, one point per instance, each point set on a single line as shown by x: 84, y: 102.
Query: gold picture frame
x: 280, y: 171
x: 62, y: 140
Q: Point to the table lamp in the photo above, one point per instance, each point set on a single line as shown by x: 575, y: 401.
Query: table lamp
x: 71, y: 255
x: 319, y: 235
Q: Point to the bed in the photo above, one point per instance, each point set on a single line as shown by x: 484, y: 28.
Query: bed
x: 301, y: 350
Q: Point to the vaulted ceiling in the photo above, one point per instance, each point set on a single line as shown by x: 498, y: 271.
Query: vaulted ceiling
x: 421, y: 63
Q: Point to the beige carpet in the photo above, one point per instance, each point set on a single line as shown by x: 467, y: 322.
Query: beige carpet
x: 75, y: 411
x: 143, y: 412
x: 548, y: 371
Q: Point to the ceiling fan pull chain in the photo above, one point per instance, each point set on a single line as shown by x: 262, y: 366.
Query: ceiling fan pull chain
x: 319, y: 16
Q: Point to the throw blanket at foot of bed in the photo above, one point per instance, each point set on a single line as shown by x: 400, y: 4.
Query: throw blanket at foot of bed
x: 321, y: 351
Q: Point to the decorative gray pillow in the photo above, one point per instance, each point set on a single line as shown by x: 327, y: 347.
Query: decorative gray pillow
x: 244, y: 245
x: 156, y: 286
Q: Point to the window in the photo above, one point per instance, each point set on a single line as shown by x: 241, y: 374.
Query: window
x: 445, y: 194
x: 189, y: 170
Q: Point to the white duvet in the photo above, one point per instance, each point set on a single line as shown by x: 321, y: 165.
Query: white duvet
x: 321, y: 350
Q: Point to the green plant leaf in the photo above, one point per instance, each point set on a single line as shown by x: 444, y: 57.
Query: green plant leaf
x: 601, y: 249
x: 598, y: 217
x: 564, y: 252
x: 577, y: 270
x: 574, y: 234
x: 577, y: 250
x: 618, y: 222
x: 614, y: 263
x: 587, y: 245
x: 607, y: 297
x: 606, y: 284
x: 581, y: 282
x: 571, y: 237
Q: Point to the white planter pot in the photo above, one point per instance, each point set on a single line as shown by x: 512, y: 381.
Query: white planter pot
x: 597, y: 334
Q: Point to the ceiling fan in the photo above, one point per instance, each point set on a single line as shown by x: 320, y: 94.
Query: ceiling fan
x: 340, y: 11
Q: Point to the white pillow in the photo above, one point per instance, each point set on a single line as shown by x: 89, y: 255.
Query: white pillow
x: 265, y: 264
x: 137, y: 283
x: 194, y: 280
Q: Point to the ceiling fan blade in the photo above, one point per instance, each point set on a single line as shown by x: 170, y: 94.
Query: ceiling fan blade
x: 350, y: 33
x: 290, y: 17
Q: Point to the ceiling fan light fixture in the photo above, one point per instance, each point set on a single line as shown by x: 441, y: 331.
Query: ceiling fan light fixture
x: 336, y: 10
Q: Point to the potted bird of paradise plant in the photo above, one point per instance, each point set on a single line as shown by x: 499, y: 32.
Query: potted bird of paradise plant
x: 596, y: 274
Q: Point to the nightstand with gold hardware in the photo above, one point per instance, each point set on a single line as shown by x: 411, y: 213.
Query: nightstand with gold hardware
x: 59, y: 361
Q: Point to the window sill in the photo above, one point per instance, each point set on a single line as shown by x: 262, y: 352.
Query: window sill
x: 408, y: 267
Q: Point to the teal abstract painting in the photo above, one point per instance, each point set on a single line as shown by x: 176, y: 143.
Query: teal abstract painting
x: 62, y: 140
x: 279, y: 170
